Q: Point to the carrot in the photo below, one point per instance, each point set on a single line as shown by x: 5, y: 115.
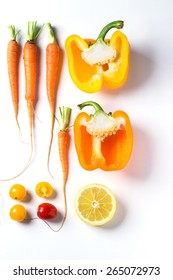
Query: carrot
x: 30, y: 66
x: 30, y: 56
x: 52, y: 67
x: 13, y: 54
x: 63, y: 147
x: 64, y: 140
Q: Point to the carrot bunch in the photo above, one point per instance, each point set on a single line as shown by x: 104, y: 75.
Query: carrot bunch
x: 30, y: 56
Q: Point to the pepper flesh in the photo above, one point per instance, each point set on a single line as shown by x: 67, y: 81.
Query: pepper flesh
x: 107, y: 147
x: 109, y: 59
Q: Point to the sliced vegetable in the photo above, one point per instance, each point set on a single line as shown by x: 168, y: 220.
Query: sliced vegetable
x: 44, y: 189
x: 103, y: 140
x: 93, y: 63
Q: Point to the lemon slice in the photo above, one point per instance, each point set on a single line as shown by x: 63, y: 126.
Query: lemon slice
x: 95, y: 204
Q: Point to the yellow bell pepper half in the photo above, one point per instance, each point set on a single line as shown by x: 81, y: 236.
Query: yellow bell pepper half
x: 93, y: 63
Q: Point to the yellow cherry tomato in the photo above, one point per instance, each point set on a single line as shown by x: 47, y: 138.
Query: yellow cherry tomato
x: 17, y: 192
x: 44, y: 189
x: 18, y: 213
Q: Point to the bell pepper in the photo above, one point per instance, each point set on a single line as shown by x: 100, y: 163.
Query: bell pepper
x: 102, y: 140
x: 93, y: 63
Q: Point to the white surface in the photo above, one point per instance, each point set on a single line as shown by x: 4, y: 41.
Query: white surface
x: 142, y: 227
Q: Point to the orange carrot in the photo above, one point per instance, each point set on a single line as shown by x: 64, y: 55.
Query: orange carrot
x: 30, y: 56
x: 63, y: 143
x: 30, y: 66
x: 63, y: 147
x: 52, y: 67
x: 13, y: 54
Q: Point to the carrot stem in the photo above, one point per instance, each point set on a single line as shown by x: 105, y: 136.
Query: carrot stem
x: 51, y: 34
x: 33, y: 31
x: 13, y: 32
x: 65, y: 114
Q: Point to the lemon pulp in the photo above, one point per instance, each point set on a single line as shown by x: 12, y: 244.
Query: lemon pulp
x: 95, y: 204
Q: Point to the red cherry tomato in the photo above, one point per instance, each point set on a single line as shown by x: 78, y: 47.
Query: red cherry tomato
x: 47, y: 211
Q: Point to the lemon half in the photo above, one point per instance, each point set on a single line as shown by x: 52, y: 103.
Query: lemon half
x: 95, y: 204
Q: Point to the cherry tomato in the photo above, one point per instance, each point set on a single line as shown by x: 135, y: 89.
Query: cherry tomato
x: 46, y: 211
x: 17, y: 192
x: 43, y: 189
x: 18, y: 213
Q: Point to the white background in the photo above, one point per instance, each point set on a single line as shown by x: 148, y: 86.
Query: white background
x: 142, y: 227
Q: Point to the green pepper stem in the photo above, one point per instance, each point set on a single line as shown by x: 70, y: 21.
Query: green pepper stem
x: 114, y: 24
x: 96, y: 106
x: 51, y: 33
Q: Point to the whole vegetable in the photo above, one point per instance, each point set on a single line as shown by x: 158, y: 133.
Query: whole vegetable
x: 17, y: 192
x: 52, y: 69
x: 13, y: 54
x: 47, y: 211
x: 18, y: 213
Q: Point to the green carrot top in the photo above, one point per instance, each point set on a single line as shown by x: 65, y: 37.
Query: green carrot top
x: 13, y: 32
x: 65, y: 114
x: 33, y: 31
x: 51, y: 33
